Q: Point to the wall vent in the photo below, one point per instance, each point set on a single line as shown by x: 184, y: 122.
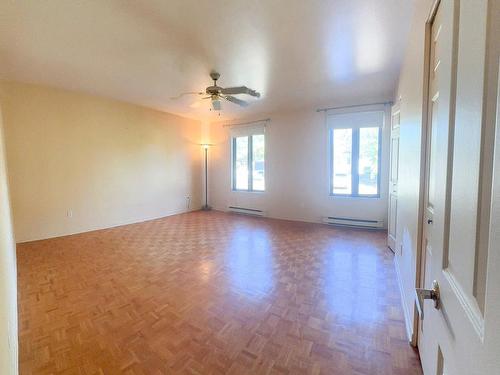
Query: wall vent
x: 349, y: 222
x: 246, y: 211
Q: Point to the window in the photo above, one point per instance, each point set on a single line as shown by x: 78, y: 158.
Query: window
x: 355, y: 141
x: 248, y: 162
x: 342, y: 161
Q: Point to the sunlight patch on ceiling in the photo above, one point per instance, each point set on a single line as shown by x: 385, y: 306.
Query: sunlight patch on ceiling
x: 341, y: 55
x: 370, y: 49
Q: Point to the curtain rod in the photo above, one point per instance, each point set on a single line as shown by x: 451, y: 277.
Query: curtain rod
x: 246, y: 123
x: 352, y: 106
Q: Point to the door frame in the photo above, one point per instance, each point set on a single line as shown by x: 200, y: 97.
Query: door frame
x: 420, y: 258
x: 394, y: 110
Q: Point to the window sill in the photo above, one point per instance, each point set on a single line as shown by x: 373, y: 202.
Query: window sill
x: 370, y: 197
x: 248, y: 191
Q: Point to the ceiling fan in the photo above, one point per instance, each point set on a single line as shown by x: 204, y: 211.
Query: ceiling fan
x: 216, y: 93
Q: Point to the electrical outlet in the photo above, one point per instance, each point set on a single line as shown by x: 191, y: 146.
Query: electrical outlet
x: 69, y: 213
x: 188, y: 202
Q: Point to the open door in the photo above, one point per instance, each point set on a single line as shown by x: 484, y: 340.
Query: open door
x: 459, y: 330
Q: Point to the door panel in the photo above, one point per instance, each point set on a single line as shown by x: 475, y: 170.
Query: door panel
x: 433, y: 145
x: 395, y: 157
x: 462, y: 250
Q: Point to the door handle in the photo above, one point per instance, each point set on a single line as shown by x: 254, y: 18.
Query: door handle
x: 429, y: 221
x: 423, y: 294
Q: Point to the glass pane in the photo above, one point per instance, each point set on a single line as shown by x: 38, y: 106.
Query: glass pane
x: 368, y: 161
x: 342, y: 158
x: 241, y: 163
x: 258, y: 151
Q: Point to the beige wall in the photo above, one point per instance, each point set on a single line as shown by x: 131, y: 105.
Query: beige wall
x: 410, y: 91
x: 8, y: 274
x: 79, y: 162
x: 297, y: 172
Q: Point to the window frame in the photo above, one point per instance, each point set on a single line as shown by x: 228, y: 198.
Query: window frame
x: 250, y: 163
x: 355, y: 162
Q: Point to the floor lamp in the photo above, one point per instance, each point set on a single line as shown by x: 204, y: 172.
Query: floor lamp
x: 206, y: 207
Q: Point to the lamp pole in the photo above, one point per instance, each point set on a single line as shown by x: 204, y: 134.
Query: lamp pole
x: 206, y: 207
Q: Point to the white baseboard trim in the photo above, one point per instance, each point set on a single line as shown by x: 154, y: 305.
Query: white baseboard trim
x: 127, y: 222
x: 318, y: 220
x: 404, y: 299
x: 300, y: 219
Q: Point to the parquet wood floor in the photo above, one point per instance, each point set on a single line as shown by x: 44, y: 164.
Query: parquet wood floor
x: 212, y: 293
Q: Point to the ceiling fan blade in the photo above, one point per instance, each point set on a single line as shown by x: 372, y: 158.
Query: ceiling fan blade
x: 186, y: 93
x: 234, y: 100
x: 240, y: 90
x: 216, y: 104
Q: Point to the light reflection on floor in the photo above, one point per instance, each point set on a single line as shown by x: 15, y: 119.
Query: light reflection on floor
x: 351, y: 284
x: 249, y: 259
x: 347, y: 269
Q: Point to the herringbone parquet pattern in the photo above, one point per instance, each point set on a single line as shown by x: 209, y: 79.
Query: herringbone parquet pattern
x: 212, y: 293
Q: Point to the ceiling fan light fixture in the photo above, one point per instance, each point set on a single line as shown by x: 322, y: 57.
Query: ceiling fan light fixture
x: 217, y: 93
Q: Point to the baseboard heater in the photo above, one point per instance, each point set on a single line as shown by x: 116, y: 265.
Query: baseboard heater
x: 348, y: 222
x: 246, y: 211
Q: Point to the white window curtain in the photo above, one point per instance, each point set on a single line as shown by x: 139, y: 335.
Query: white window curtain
x: 242, y: 130
x: 353, y: 120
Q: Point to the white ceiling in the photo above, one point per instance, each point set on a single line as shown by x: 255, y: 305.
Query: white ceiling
x: 297, y: 53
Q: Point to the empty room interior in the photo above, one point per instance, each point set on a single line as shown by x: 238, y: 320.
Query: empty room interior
x: 250, y: 187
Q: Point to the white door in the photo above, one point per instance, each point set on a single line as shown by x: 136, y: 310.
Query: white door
x: 461, y: 218
x: 393, y: 178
